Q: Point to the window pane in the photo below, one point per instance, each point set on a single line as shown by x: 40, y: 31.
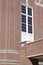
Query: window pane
x: 23, y: 19
x: 29, y: 29
x: 30, y: 20
x: 23, y: 9
x: 24, y: 27
x: 30, y: 11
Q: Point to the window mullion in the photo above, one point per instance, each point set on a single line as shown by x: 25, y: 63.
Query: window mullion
x: 27, y: 20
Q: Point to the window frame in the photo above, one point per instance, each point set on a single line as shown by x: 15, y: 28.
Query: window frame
x: 27, y: 17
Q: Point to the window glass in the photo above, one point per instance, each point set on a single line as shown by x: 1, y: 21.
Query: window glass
x: 29, y: 29
x: 24, y: 27
x: 23, y: 9
x: 23, y: 23
x: 30, y: 11
x: 30, y: 20
x: 23, y: 19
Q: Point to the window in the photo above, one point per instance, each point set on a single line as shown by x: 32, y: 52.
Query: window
x: 26, y: 23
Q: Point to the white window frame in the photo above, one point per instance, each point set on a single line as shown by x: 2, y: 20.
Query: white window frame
x: 30, y: 34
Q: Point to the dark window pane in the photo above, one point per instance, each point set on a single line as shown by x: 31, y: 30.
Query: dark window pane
x: 30, y: 20
x: 29, y: 29
x: 23, y: 18
x: 30, y: 11
x: 23, y: 9
x: 24, y: 27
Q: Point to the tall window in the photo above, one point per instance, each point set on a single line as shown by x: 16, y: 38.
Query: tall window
x: 26, y: 23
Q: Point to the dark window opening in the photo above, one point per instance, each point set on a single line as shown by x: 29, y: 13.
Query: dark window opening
x: 30, y: 11
x: 23, y: 19
x: 29, y: 29
x: 30, y: 20
x: 23, y: 9
x: 24, y: 27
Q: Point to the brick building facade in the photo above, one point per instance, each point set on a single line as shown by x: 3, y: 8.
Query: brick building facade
x: 21, y: 32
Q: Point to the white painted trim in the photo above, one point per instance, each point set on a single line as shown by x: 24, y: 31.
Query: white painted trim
x: 27, y: 42
x: 27, y: 15
x: 39, y: 4
x: 27, y: 2
x: 31, y: 35
x: 9, y: 51
x: 27, y: 5
x: 40, y: 63
x: 34, y: 55
x: 9, y: 63
x: 32, y: 22
x: 39, y: 1
x: 2, y: 61
x: 27, y: 20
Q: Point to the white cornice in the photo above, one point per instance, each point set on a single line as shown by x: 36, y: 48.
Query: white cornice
x: 35, y: 55
x: 7, y: 61
x: 9, y: 51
